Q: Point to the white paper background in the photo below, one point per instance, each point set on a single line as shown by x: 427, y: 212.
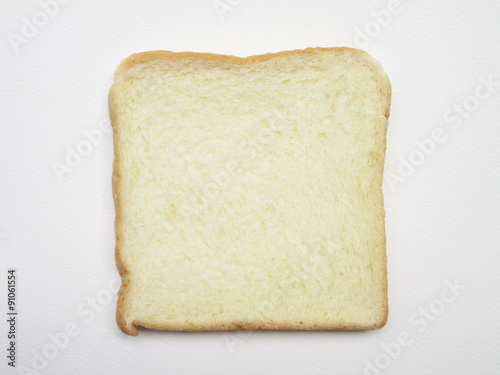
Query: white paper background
x: 442, y: 219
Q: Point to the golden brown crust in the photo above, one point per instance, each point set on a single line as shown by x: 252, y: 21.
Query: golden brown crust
x: 122, y: 293
x: 384, y: 246
x: 262, y: 326
x: 144, y: 57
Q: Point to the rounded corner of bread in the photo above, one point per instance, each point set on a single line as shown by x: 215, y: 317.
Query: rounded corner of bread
x: 383, y: 317
x: 372, y: 62
x: 382, y: 322
x: 130, y: 61
x: 123, y: 320
x: 130, y: 328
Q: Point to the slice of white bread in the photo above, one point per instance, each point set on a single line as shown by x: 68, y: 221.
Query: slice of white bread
x: 248, y: 190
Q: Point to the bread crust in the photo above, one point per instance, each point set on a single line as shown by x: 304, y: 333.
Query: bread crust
x: 145, y: 57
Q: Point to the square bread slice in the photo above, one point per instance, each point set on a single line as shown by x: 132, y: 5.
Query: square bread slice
x: 248, y: 190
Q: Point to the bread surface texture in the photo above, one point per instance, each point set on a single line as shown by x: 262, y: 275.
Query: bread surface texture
x: 248, y: 191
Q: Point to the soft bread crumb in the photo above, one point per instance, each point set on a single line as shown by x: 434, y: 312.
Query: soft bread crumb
x: 248, y: 191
